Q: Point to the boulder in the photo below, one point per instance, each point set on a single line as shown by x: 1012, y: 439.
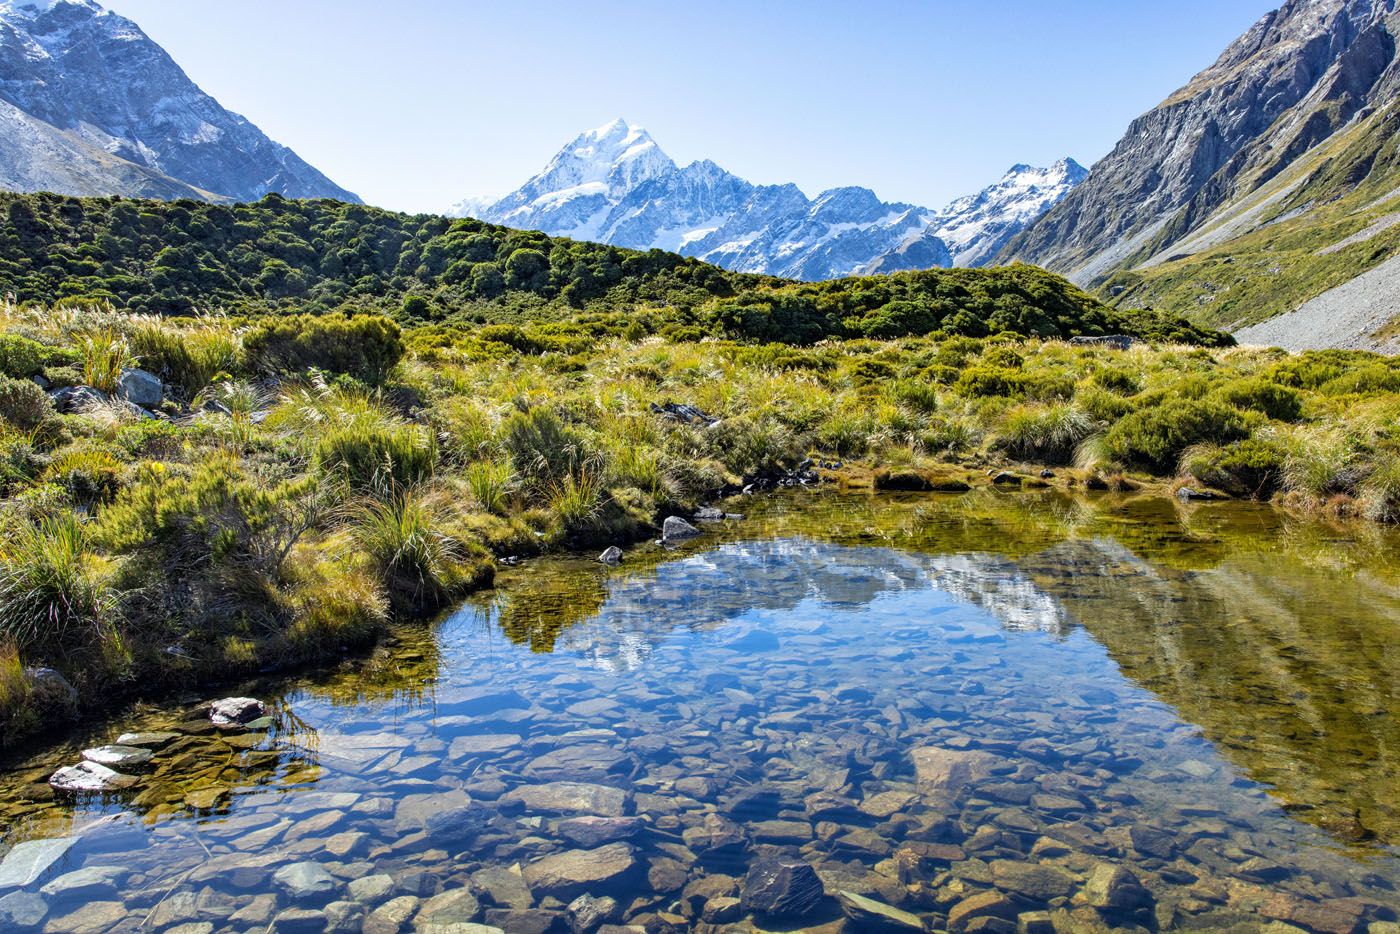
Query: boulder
x: 90, y: 778
x: 345, y: 918
x: 50, y: 689
x: 454, y: 906
x: 676, y: 529
x: 299, y: 921
x: 74, y: 400
x: 91, y: 883
x: 1033, y: 880
x: 236, y: 711
x: 140, y: 388
x: 118, y: 756
x: 371, y: 890
x: 781, y: 889
x: 32, y: 863
x: 1113, y: 341
x: 612, y: 555
x: 571, y: 873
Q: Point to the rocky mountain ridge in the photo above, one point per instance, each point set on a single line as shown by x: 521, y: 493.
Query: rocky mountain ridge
x: 94, y: 106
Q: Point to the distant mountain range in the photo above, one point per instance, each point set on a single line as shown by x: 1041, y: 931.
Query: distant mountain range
x: 89, y: 105
x: 615, y: 185
x: 1268, y: 184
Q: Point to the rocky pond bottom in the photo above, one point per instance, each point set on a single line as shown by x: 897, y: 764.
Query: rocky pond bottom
x: 781, y: 731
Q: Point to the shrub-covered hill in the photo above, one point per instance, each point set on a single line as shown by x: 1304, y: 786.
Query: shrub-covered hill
x: 176, y: 257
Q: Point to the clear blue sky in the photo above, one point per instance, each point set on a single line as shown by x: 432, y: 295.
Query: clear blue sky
x: 415, y: 104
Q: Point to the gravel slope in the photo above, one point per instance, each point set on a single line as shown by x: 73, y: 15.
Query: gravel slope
x: 1346, y: 316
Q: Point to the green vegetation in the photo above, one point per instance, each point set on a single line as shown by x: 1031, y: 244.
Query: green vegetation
x: 298, y: 257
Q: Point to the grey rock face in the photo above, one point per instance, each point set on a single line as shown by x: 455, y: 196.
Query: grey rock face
x: 305, y: 881
x: 51, y: 689
x: 612, y: 555
x: 22, y: 912
x: 96, y: 107
x: 90, y: 778
x: 118, y: 757
x: 1295, y: 78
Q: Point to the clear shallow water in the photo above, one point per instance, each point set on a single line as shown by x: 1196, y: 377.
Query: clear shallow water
x: 967, y: 708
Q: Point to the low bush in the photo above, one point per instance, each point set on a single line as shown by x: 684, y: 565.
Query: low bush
x: 1253, y: 467
x: 1263, y: 395
x: 372, y: 454
x: 1156, y: 437
x: 422, y: 566
x: 1044, y: 434
x: 23, y: 404
x: 366, y: 347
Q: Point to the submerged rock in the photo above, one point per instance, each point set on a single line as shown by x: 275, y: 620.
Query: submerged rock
x: 948, y: 771
x: 1112, y: 888
x: 33, y: 862
x: 305, y: 881
x: 572, y: 873
x: 587, y: 913
x: 236, y: 711
x: 456, y: 825
x: 592, y: 830
x: 777, y: 888
x: 90, y: 778
x: 22, y: 912
x: 869, y: 914
x: 150, y: 740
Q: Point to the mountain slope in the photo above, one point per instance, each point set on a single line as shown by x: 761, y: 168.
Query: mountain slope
x: 97, y: 77
x: 37, y: 157
x: 1266, y: 181
x: 615, y: 185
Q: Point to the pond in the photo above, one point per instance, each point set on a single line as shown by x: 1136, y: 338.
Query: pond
x: 986, y: 712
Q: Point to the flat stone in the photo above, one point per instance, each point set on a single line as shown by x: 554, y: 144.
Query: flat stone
x: 202, y: 799
x: 456, y: 825
x: 118, y: 757
x: 1034, y: 880
x: 482, y: 744
x: 570, y: 798
x: 157, y: 739
x: 91, y: 883
x: 454, y: 906
x: 587, y: 913
x: 715, y: 835
x: 345, y: 917
x: 1115, y: 888
x: 371, y: 890
x: 517, y: 921
x: 22, y: 912
x: 390, y: 917
x: 89, y: 918
x: 781, y: 889
x: 981, y: 905
x: 581, y: 762
x: 258, y: 913
x: 32, y: 863
x: 299, y: 921
x: 571, y: 873
x: 870, y: 914
x: 722, y: 909
x: 305, y: 881
x: 781, y: 831
x: 948, y: 771
x: 591, y: 830
x: 90, y: 778
x: 503, y: 886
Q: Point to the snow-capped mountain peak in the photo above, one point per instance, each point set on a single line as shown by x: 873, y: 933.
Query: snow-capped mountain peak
x: 614, y: 184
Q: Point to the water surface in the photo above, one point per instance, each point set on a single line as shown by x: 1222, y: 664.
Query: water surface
x: 964, y: 708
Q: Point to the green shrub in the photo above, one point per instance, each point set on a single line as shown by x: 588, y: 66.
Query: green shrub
x: 56, y: 596
x: 422, y: 566
x: 1043, y: 434
x: 187, y: 358
x: 105, y: 354
x: 377, y: 454
x: 1116, y: 380
x: 868, y: 372
x: 1366, y: 380
x: 1156, y: 437
x: 1253, y: 467
x: 490, y: 484
x: 1004, y: 357
x: 542, y: 448
x: 90, y: 476
x: 752, y: 446
x: 23, y: 404
x: 21, y: 357
x: 367, y: 347
x: 917, y: 395
x: 1263, y: 395
x: 983, y: 381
